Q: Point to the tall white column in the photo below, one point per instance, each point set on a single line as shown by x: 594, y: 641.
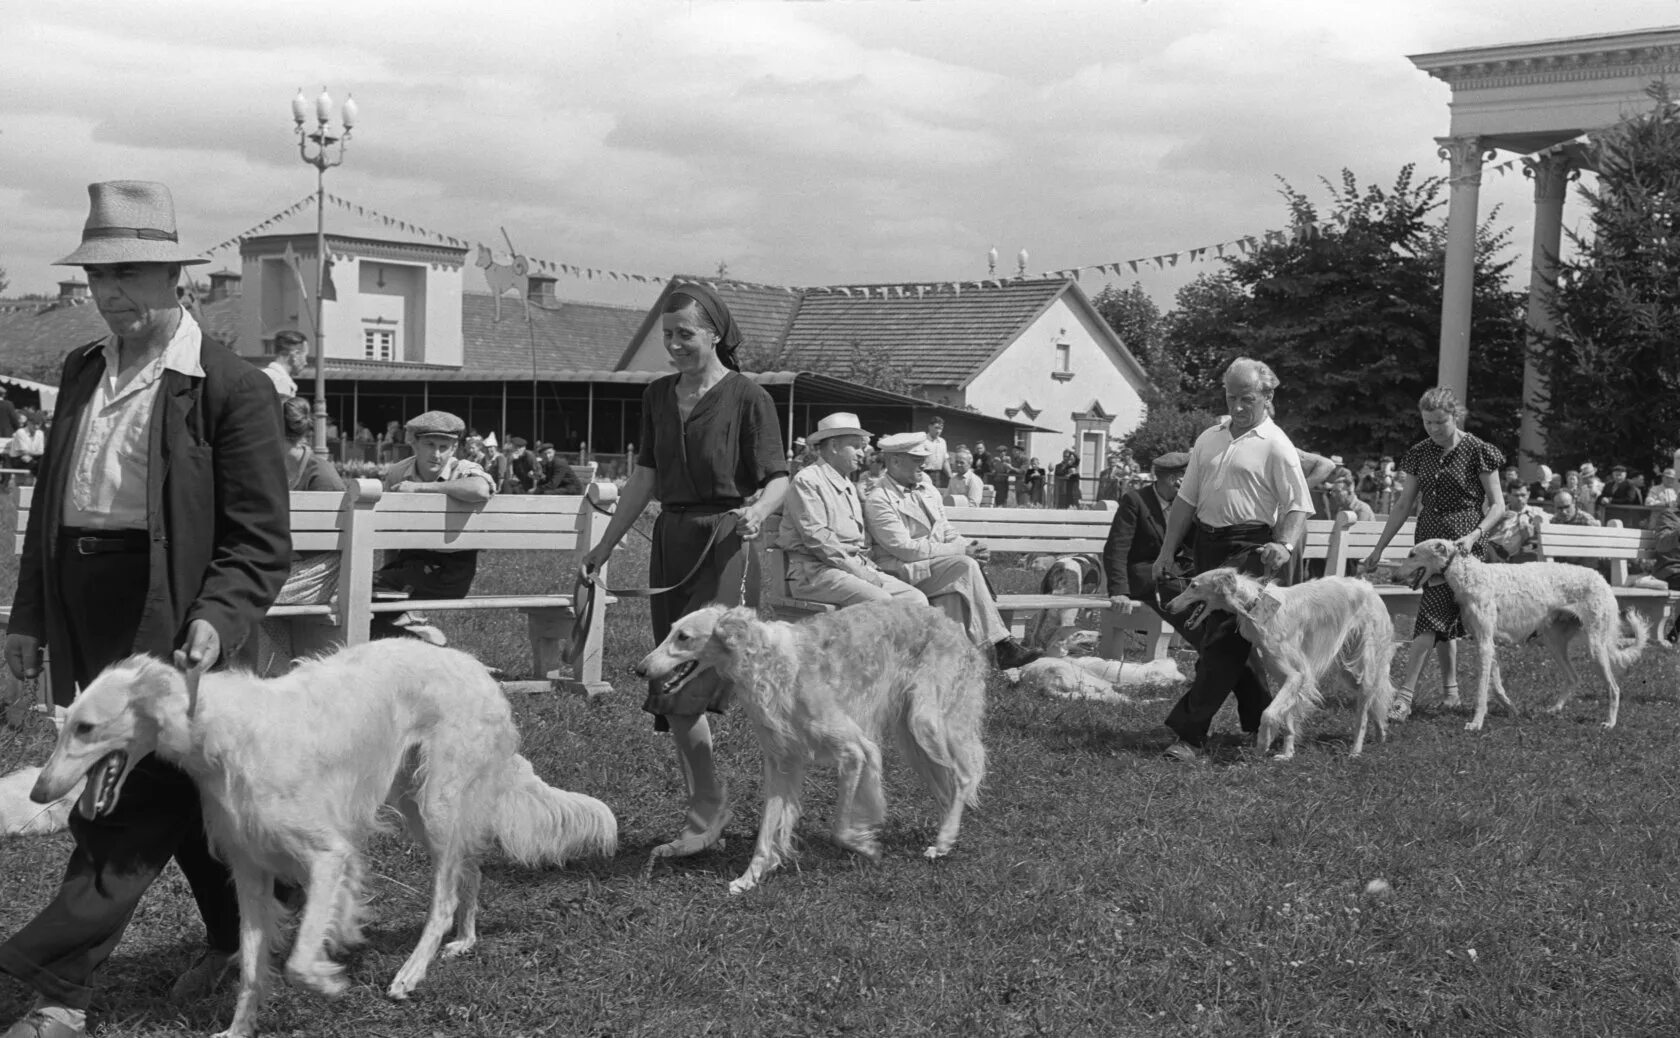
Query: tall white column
x: 1464, y: 155
x: 1551, y: 174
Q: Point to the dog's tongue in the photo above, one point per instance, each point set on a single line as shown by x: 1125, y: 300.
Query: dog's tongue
x: 1417, y: 579
x: 99, y: 776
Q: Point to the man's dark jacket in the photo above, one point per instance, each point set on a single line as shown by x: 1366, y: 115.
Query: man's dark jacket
x: 1134, y: 539
x: 219, y: 511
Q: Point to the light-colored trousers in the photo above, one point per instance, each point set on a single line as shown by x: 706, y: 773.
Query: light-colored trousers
x: 809, y: 578
x: 957, y: 586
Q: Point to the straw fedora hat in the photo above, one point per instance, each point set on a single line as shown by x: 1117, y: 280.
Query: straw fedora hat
x: 129, y: 221
x: 840, y: 423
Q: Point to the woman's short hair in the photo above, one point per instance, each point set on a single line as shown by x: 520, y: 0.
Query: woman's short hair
x: 1443, y: 399
x: 298, y: 417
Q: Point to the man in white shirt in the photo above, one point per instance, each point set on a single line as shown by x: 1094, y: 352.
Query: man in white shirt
x: 28, y: 444
x: 291, y: 356
x: 965, y: 481
x: 1247, y: 498
x: 823, y: 530
x: 912, y: 539
x: 937, y: 464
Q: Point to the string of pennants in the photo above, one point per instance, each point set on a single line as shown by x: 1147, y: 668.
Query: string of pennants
x: 1242, y: 246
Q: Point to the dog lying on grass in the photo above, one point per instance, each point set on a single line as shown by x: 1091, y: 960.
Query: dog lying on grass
x: 1507, y: 603
x: 294, y: 773
x: 833, y: 688
x: 1334, y: 629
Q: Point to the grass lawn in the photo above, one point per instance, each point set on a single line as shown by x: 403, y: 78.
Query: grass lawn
x: 1098, y: 890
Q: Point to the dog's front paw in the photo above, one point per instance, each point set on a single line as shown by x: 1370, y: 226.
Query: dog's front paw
x: 459, y: 946
x: 934, y: 853
x: 742, y: 885
x: 1472, y: 726
x: 323, y: 979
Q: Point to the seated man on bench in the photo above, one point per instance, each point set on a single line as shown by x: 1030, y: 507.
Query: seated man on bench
x: 915, y: 542
x: 421, y: 573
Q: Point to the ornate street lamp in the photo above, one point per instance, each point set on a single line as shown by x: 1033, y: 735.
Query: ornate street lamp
x: 323, y: 157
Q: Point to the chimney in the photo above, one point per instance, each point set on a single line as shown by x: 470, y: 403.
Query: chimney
x: 539, y: 288
x: 224, y: 283
x: 73, y: 291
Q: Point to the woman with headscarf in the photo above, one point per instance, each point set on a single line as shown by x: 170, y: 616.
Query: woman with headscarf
x: 709, y: 442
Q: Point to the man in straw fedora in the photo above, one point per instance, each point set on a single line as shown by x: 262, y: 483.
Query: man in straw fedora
x: 913, y: 541
x: 823, y: 531
x: 160, y: 526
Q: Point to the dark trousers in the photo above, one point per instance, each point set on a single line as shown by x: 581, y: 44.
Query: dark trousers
x: 435, y: 575
x: 157, y: 818
x: 1223, y: 663
x: 680, y: 536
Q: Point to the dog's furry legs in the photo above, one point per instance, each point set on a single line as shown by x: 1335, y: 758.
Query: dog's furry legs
x: 783, y: 782
x: 953, y: 782
x: 447, y: 864
x: 309, y: 966
x: 257, y: 930
x: 1487, y: 666
x: 859, y: 805
x: 466, y: 914
x: 1558, y: 637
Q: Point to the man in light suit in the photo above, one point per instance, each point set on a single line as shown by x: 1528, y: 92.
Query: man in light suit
x: 1135, y: 537
x: 912, y: 539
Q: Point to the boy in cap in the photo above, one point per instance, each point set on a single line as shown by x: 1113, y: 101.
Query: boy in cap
x: 433, y: 468
x: 916, y: 543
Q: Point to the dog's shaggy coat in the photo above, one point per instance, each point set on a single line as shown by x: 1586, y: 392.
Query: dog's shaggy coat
x: 1334, y: 629
x: 294, y: 773
x: 832, y: 688
x: 1508, y: 603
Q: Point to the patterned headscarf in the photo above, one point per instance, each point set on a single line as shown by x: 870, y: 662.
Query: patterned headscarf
x: 717, y: 315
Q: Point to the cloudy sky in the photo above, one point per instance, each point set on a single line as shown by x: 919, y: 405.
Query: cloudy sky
x: 803, y: 142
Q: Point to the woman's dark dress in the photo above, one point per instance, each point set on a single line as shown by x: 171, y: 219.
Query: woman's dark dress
x: 728, y: 449
x: 1450, y: 486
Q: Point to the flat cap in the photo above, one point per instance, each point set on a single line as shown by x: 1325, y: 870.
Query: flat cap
x: 1177, y: 461
x: 437, y: 423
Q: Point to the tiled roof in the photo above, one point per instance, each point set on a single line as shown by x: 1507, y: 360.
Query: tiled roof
x: 33, y: 342
x: 941, y: 338
x: 568, y: 334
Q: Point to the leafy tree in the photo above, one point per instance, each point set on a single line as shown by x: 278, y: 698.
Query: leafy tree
x: 1614, y: 366
x: 1200, y: 339
x: 1134, y: 317
x: 874, y: 366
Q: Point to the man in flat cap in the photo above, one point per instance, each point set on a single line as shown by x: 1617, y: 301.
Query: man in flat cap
x: 915, y: 542
x: 160, y: 525
x: 423, y: 573
x: 1134, y: 539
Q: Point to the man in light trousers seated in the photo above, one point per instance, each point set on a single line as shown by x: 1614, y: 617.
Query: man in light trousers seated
x: 913, y: 540
x: 822, y: 531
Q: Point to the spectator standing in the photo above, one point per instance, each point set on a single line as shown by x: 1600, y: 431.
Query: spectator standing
x: 1067, y: 480
x: 291, y: 356
x: 938, y: 462
x: 981, y: 462
x: 1111, y: 483
x: 160, y: 526
x: 1035, y: 482
x: 1665, y: 494
x: 1134, y: 541
x: 1004, y: 472
x: 965, y: 480
x: 1246, y: 497
x: 710, y: 443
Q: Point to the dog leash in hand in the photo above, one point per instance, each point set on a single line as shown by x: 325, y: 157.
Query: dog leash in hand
x: 726, y: 526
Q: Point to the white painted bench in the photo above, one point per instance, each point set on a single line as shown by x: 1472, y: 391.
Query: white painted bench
x: 1617, y: 546
x: 1352, y: 541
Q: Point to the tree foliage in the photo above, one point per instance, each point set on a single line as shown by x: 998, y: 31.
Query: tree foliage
x: 1134, y: 317
x: 1614, y: 365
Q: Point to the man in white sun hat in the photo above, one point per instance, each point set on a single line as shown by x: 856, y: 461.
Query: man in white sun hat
x: 160, y: 525
x: 823, y: 531
x: 914, y: 541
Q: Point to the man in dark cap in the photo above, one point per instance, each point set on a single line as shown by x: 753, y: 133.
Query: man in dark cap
x: 160, y: 526
x: 433, y: 468
x: 1134, y: 539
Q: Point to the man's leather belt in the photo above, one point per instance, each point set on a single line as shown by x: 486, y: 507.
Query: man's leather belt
x: 85, y: 541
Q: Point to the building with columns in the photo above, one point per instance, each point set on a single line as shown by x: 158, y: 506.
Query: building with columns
x: 1536, y: 100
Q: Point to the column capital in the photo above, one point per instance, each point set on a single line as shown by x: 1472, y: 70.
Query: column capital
x: 1553, y: 170
x: 1465, y: 156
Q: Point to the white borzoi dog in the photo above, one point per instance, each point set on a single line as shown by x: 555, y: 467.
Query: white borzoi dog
x: 1508, y: 603
x: 1334, y: 629
x: 833, y: 688
x: 294, y: 772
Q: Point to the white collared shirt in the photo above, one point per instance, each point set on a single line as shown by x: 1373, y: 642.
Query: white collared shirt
x: 284, y: 384
x: 111, y: 452
x: 1252, y: 478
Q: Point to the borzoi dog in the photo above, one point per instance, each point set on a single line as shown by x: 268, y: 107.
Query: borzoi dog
x: 833, y: 688
x: 1510, y: 602
x: 1333, y: 628
x: 293, y: 772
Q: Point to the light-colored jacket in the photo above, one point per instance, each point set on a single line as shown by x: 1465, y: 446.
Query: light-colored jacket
x: 822, y: 521
x: 908, y: 527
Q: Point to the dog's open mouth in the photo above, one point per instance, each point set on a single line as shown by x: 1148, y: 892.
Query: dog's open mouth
x: 675, y: 680
x: 99, y: 795
x: 1197, y: 614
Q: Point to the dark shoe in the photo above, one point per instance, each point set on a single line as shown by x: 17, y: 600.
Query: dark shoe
x: 1012, y: 654
x: 1183, y: 752
x: 39, y: 1025
x: 204, y: 977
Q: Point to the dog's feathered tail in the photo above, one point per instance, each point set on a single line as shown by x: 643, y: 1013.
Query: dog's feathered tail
x: 535, y: 822
x: 1627, y: 650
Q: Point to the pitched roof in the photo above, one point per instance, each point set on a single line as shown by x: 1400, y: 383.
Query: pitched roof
x: 942, y: 338
x: 34, y: 340
x: 568, y: 334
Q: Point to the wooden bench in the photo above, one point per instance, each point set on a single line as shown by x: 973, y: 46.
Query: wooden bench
x: 1617, y: 547
x: 1352, y: 541
x: 364, y: 520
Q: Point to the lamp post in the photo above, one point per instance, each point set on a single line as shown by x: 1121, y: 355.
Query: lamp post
x: 322, y: 158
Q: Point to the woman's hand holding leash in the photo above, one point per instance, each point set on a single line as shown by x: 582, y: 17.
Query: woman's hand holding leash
x: 1467, y: 543
x: 748, y: 524
x: 596, y: 557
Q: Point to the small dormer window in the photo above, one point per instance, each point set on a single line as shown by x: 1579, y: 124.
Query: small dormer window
x: 1063, y: 368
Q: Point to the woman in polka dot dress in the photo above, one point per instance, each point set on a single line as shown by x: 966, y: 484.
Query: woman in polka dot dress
x: 1458, y: 476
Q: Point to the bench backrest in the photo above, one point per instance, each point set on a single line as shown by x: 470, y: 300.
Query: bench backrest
x: 318, y: 518
x: 1612, y: 542
x: 530, y: 522
x: 1352, y: 541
